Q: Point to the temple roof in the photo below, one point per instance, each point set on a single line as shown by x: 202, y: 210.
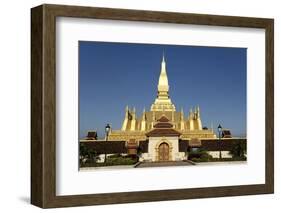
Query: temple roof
x: 92, y: 134
x: 163, y: 122
x: 163, y: 128
x: 163, y: 125
x: 163, y: 132
x: 163, y: 118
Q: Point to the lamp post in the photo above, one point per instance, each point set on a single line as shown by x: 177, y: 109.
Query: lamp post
x: 107, y: 130
x: 220, y: 131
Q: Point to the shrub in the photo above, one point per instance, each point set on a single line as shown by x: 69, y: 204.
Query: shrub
x: 199, y: 155
x: 113, y: 160
x: 120, y: 161
x: 114, y: 156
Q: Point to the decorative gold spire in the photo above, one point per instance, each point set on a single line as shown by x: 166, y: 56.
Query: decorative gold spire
x: 163, y: 101
x: 198, y: 111
x: 182, y: 120
x: 134, y: 113
x: 199, y: 122
x: 182, y: 115
x: 127, y: 112
x: 163, y: 85
x: 133, y: 120
x: 126, y: 119
x: 190, y: 114
x: 143, y: 114
x: 143, y: 121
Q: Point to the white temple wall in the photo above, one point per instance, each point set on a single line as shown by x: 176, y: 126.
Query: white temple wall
x: 153, y: 151
x: 216, y: 154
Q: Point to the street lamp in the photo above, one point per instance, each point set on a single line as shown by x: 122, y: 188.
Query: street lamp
x: 107, y: 130
x: 220, y: 131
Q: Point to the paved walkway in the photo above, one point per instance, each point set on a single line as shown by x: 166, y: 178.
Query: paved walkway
x: 162, y: 164
x: 221, y: 163
x: 107, y: 167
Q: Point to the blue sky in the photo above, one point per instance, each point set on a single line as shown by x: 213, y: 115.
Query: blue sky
x: 113, y: 75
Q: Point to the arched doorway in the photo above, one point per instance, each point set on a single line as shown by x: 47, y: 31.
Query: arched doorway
x: 163, y: 152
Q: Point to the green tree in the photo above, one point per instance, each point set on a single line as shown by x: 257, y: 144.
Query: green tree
x: 87, y: 155
x: 238, y: 150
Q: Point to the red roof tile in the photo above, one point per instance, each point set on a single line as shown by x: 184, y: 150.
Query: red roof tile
x: 163, y: 118
x: 163, y: 132
x: 163, y: 125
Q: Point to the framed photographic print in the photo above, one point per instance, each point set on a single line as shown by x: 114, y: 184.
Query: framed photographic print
x: 136, y: 106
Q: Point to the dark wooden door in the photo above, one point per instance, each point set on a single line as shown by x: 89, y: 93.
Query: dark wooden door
x: 163, y: 152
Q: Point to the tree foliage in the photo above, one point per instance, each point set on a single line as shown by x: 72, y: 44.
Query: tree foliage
x: 238, y: 150
x: 87, y: 154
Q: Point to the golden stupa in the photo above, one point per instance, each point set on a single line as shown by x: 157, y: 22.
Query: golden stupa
x: 134, y: 127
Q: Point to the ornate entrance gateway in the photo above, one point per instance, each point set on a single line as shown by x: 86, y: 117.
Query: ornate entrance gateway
x: 163, y: 152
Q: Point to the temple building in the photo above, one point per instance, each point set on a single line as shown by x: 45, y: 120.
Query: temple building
x: 134, y: 127
x: 162, y: 126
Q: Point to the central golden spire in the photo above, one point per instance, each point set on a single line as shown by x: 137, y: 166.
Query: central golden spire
x: 163, y: 101
x: 163, y: 85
